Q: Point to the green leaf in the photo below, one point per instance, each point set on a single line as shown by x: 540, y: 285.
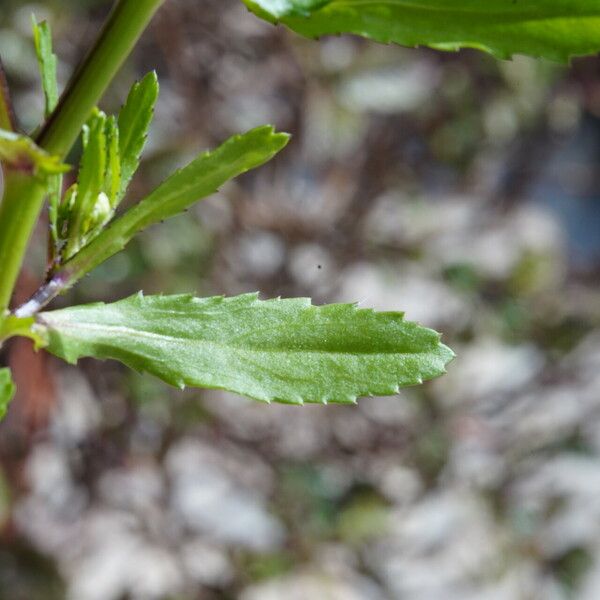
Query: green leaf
x: 275, y: 350
x: 112, y: 180
x: 7, y: 390
x: 21, y: 153
x: 202, y: 177
x: 90, y: 184
x: 134, y: 120
x: 55, y: 183
x: 42, y: 37
x: 11, y: 326
x: 89, y: 204
x: 554, y: 29
x: 64, y: 212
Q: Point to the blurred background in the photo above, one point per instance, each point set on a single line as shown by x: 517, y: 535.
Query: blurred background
x: 458, y: 188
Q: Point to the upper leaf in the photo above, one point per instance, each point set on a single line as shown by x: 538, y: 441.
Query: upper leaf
x: 275, y: 350
x: 21, y: 153
x: 554, y: 29
x: 199, y: 179
x: 134, y: 120
x: 42, y: 37
x: 7, y: 390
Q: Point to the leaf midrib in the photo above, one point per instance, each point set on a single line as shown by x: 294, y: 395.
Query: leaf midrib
x: 116, y: 329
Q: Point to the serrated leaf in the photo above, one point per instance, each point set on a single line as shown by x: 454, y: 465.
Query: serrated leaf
x: 275, y: 350
x: 90, y: 183
x: 202, y: 177
x: 42, y: 37
x: 21, y: 153
x: 134, y: 120
x: 553, y: 29
x: 7, y: 390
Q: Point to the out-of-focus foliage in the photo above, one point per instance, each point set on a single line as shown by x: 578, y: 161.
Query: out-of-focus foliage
x: 552, y: 29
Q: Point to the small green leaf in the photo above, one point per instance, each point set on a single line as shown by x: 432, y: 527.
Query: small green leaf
x: 202, y: 177
x: 553, y: 29
x: 55, y: 183
x: 90, y: 183
x: 7, y: 390
x: 89, y: 204
x: 112, y: 180
x: 42, y: 37
x: 21, y: 153
x: 134, y: 120
x: 11, y: 326
x: 275, y: 350
x: 64, y: 212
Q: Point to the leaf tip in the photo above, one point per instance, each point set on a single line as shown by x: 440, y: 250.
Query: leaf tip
x: 150, y: 79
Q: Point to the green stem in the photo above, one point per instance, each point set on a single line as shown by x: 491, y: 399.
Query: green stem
x: 24, y: 196
x: 22, y: 202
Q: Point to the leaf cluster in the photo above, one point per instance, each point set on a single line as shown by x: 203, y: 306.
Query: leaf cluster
x: 276, y: 350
